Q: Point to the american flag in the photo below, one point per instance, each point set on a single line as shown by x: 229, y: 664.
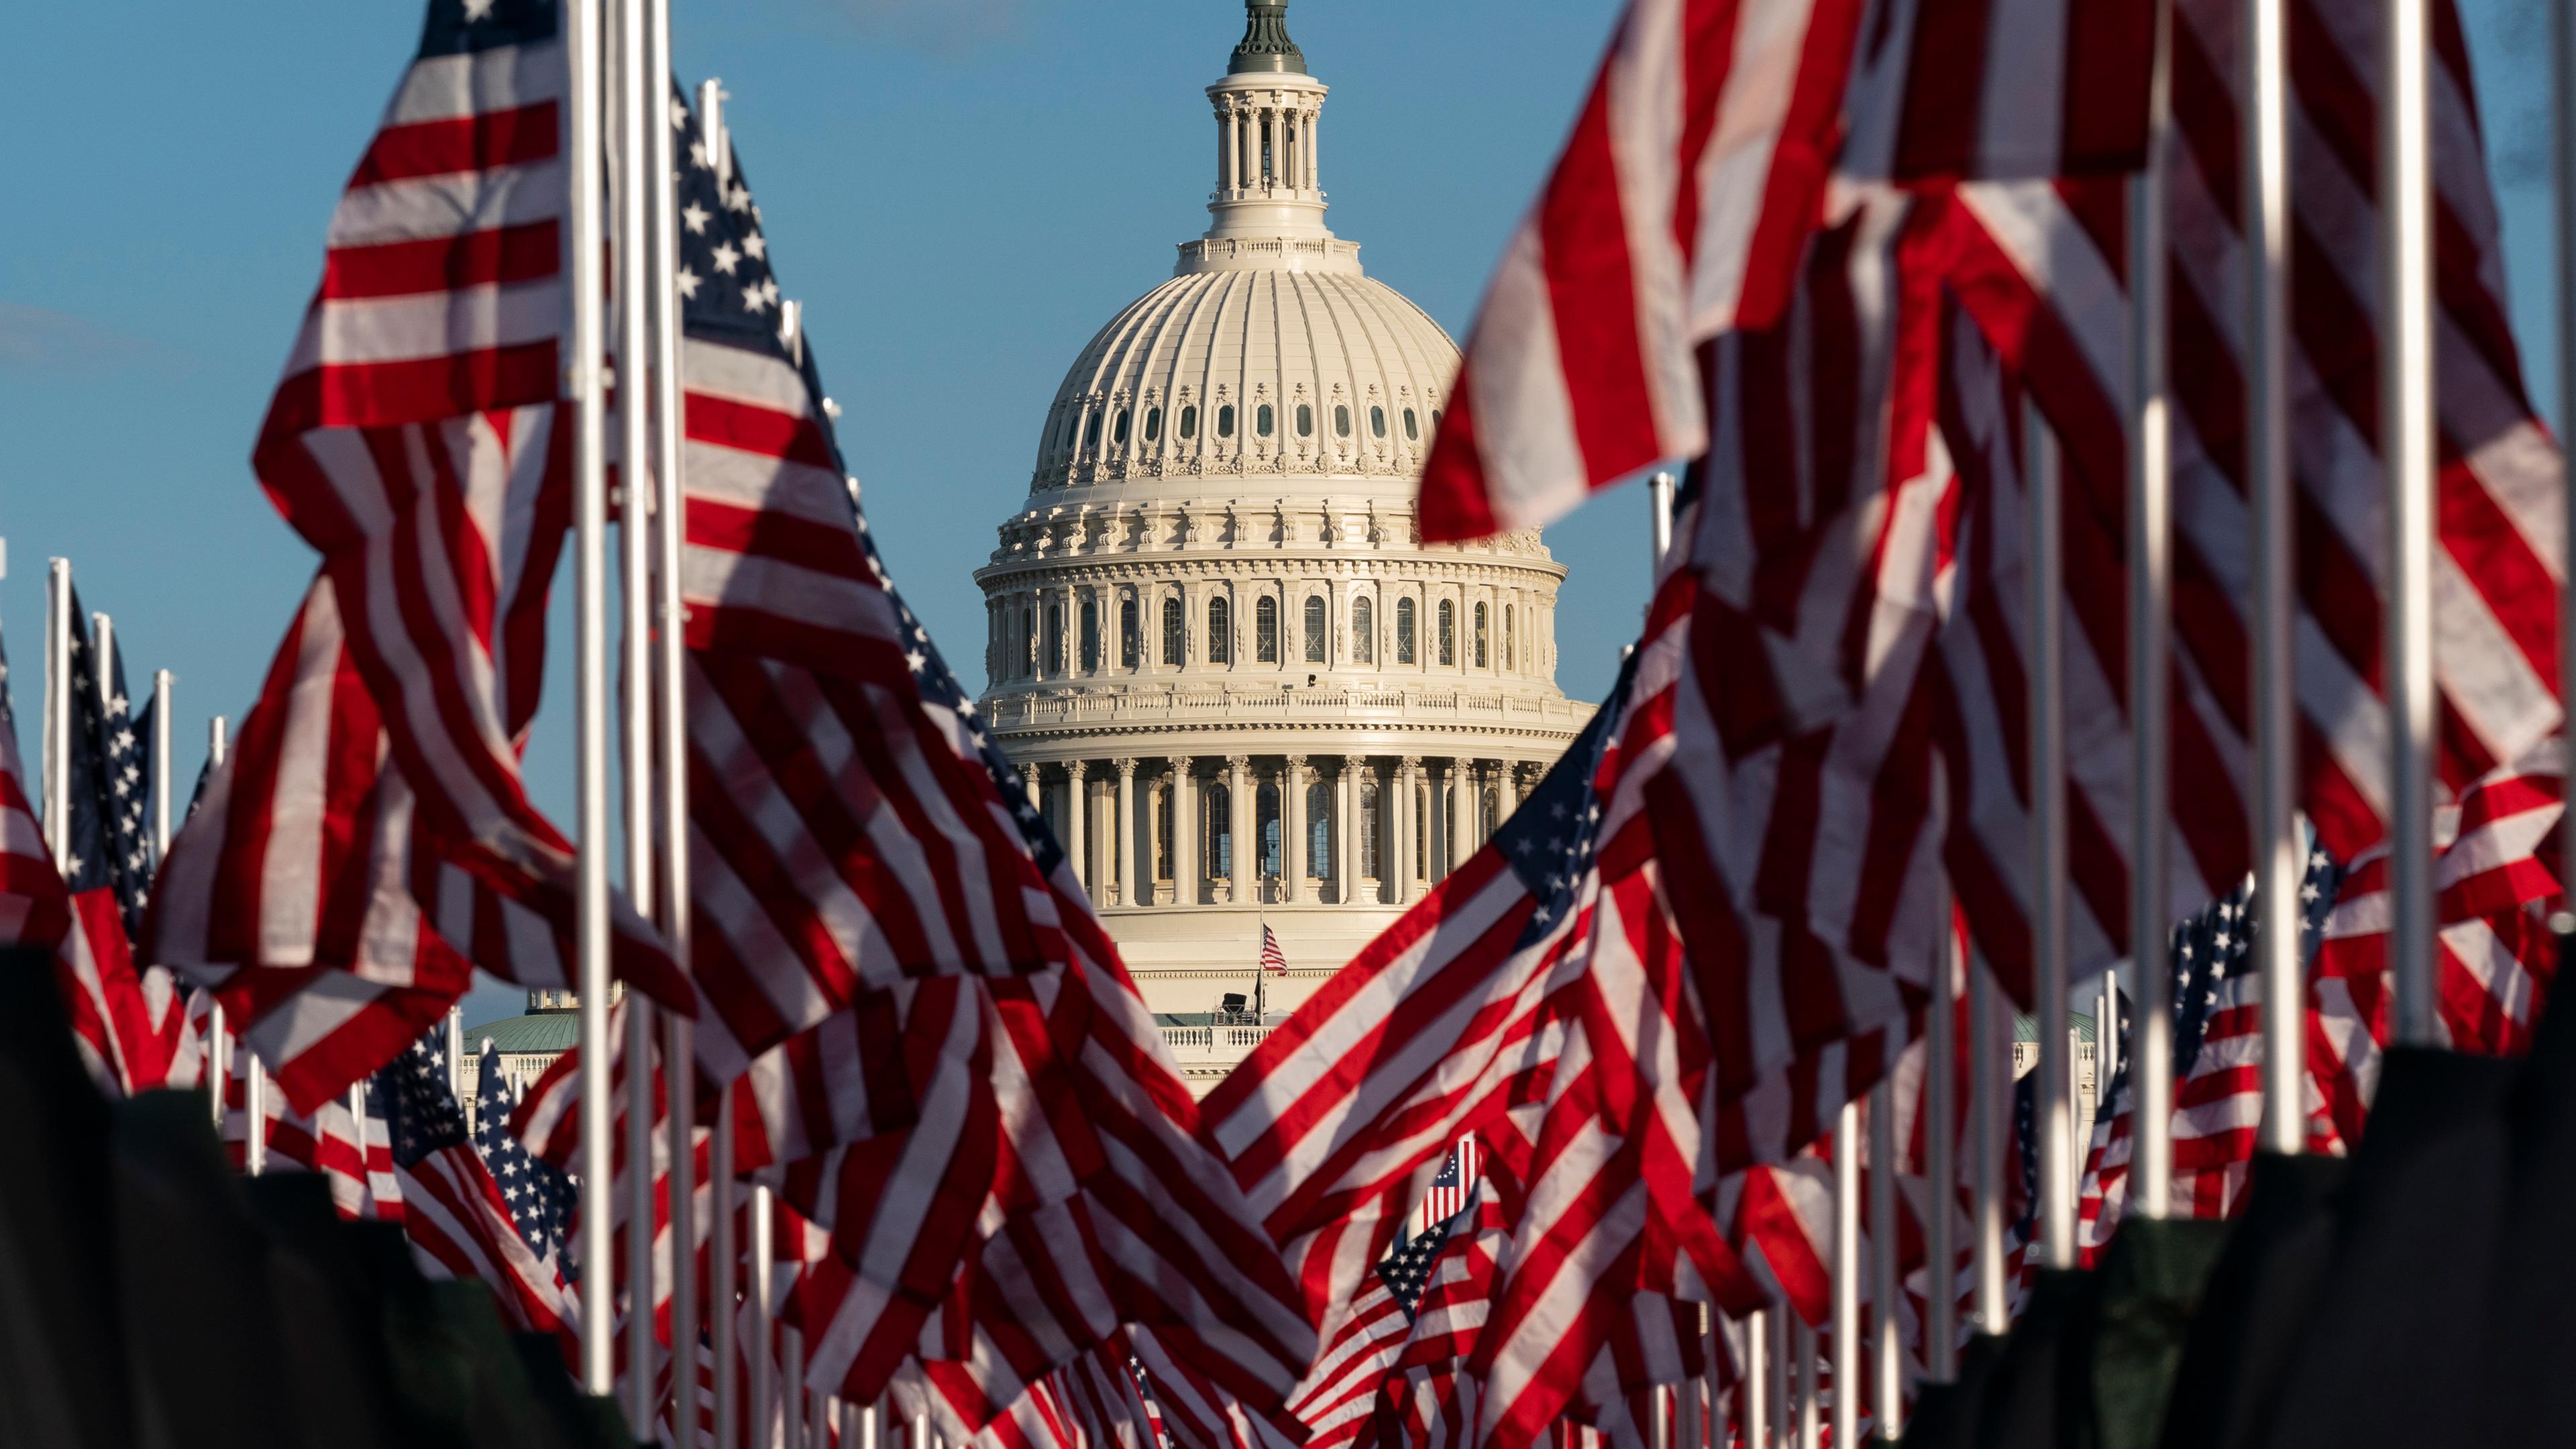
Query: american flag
x: 867, y: 861
x: 1683, y: 199
x: 371, y: 820
x: 1273, y: 960
x: 459, y: 1224
x: 2218, y: 1064
x: 541, y: 1197
x: 1449, y: 1192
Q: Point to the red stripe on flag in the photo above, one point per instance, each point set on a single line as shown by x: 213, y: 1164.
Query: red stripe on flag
x: 529, y: 252
x: 454, y: 144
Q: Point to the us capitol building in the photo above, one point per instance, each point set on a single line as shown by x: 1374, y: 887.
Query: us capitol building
x: 1242, y: 690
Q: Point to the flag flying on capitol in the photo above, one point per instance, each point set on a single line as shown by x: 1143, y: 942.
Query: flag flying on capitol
x: 370, y: 839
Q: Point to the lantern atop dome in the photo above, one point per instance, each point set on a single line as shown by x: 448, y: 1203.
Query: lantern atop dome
x: 1265, y: 45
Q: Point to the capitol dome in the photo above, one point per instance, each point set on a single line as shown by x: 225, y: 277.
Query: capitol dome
x: 1243, y: 691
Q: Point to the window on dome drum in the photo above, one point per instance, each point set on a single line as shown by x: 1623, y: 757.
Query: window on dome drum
x: 1305, y: 421
x: 1341, y: 421
x: 1448, y: 632
x: 1404, y: 631
x: 1220, y: 631
x: 1363, y: 632
x: 1480, y: 636
x: 1216, y: 840
x: 1118, y: 429
x: 1421, y: 836
x: 1225, y: 421
x: 1189, y: 423
x: 1163, y: 829
x: 1377, y: 422
x: 1072, y: 427
x: 1175, y: 634
x: 1265, y: 630
x: 1370, y: 864
x: 1265, y: 811
x: 1510, y: 659
x: 1261, y: 420
x: 1091, y: 433
x: 1090, y: 636
x: 1028, y: 642
x: 1055, y: 639
x: 1412, y: 432
x: 1435, y: 422
x: 1153, y: 425
x: 1319, y: 831
x: 1128, y: 645
x: 1315, y: 630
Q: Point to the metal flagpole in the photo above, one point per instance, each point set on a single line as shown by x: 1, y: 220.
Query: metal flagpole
x: 725, y: 1193
x: 1753, y: 1426
x: 1847, y: 1271
x: 670, y: 733
x: 2048, y: 899
x: 219, y: 1055
x: 1659, y: 497
x: 724, y: 1262
x: 764, y: 1350
x: 590, y: 725
x: 631, y: 176
x: 456, y: 1051
x: 161, y: 682
x: 2267, y: 376
x: 1989, y: 1100
x: 1888, y: 1387
x: 791, y: 1401
x: 2406, y: 445
x: 1777, y: 1429
x: 2563, y: 110
x: 1941, y: 1165
x: 1810, y: 1413
x: 58, y: 708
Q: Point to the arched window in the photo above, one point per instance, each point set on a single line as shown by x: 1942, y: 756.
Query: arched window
x: 1028, y: 660
x: 1129, y: 644
x: 1480, y: 636
x: 1305, y: 421
x: 1118, y: 429
x: 1216, y: 832
x: 1175, y: 635
x: 1319, y: 831
x: 1363, y: 632
x: 1448, y: 632
x: 1372, y: 863
x: 1163, y: 829
x: 1090, y: 636
x: 1220, y: 630
x: 1091, y: 433
x: 1404, y: 631
x: 1315, y: 629
x: 1377, y: 421
x: 1225, y: 421
x: 1153, y: 424
x: 1189, y: 423
x: 1412, y: 430
x: 1265, y: 629
x: 1511, y: 659
x: 1055, y: 639
x: 1261, y: 420
x: 1072, y: 427
x: 1266, y: 827
x: 1435, y: 422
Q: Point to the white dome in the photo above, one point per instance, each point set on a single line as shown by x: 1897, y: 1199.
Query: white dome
x: 1175, y: 386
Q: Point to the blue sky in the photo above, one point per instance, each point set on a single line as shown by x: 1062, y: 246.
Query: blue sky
x: 961, y: 191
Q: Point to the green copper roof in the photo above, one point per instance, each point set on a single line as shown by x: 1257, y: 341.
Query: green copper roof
x: 543, y: 1031
x: 1265, y: 44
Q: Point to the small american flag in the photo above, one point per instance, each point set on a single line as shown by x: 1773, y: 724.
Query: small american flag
x: 459, y: 1223
x: 539, y: 1194
x: 1273, y: 960
x: 1407, y: 1270
x: 1452, y: 1190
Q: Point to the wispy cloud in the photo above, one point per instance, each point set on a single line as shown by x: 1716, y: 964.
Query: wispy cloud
x: 941, y: 27
x: 39, y: 339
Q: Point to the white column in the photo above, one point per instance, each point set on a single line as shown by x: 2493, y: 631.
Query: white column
x: 1346, y: 835
x: 1462, y: 811
x: 1292, y: 827
x: 1245, y: 878
x: 1125, y: 825
x: 1314, y: 170
x: 1408, y: 776
x: 1511, y: 792
x: 1077, y: 838
x: 1185, y: 835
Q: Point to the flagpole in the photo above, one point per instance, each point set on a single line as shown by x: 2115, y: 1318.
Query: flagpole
x: 723, y: 1272
x: 2048, y: 897
x: 590, y: 724
x: 1941, y: 1162
x: 1753, y: 1426
x: 2268, y: 480
x: 1889, y: 1420
x: 670, y: 735
x: 1810, y: 1413
x: 58, y: 708
x: 1659, y: 498
x: 219, y: 1056
x: 2406, y: 432
x: 2563, y: 112
x: 1847, y: 1351
x: 161, y: 682
x: 764, y: 1348
x: 632, y: 178
x: 1989, y: 1093
x: 2150, y: 645
x: 456, y: 1053
x: 1777, y: 1429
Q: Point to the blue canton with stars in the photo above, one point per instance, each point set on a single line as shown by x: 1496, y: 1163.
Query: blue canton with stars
x: 729, y: 297
x: 111, y: 791
x: 463, y: 27
x: 420, y: 1115
x: 1407, y: 1269
x: 540, y: 1196
x: 1548, y: 842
